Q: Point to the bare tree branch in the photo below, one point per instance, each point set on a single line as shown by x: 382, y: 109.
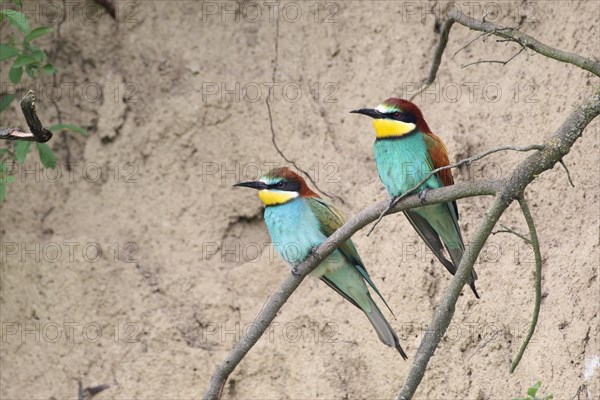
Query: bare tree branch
x: 437, y: 57
x: 38, y: 132
x: 517, y: 234
x: 515, y: 35
x: 510, y: 34
x: 445, y: 311
x: 538, y: 280
x: 495, y: 61
x: 567, y: 171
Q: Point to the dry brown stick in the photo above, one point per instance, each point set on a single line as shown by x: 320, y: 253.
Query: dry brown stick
x: 495, y: 61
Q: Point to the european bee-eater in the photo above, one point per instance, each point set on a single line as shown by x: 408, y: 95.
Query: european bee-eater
x: 298, y: 221
x: 406, y: 151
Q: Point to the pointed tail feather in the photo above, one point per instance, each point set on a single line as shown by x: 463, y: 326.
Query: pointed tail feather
x: 430, y: 237
x: 433, y: 241
x: 384, y: 330
x: 456, y: 256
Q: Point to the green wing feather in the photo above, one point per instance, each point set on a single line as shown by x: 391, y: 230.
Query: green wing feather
x: 435, y: 146
x: 331, y: 220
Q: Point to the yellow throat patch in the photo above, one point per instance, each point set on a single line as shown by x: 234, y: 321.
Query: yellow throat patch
x: 272, y: 198
x: 385, y: 128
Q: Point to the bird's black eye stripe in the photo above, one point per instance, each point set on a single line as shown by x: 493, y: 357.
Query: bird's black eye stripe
x: 404, y: 117
x: 287, y: 186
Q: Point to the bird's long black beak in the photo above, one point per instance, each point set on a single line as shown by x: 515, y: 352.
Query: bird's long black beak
x: 258, y: 185
x: 369, y: 112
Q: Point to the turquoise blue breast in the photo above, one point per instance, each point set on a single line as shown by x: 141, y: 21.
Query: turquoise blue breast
x: 402, y: 163
x: 294, y: 230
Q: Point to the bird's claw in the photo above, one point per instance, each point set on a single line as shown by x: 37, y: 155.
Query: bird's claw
x: 295, y: 271
x: 422, y: 195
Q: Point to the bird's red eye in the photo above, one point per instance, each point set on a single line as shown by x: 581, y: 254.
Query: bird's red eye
x: 396, y: 114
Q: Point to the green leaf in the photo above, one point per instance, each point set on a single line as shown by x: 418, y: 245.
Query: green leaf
x: 39, y: 55
x: 32, y: 70
x: 49, y: 69
x: 23, y: 60
x: 532, y: 391
x: 2, y: 192
x: 7, y: 51
x: 5, y: 101
x: 15, y: 74
x: 17, y: 19
x: 69, y: 127
x: 38, y: 32
x: 21, y: 150
x: 46, y: 155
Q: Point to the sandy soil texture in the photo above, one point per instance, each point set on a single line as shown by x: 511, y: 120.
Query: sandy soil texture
x: 141, y: 266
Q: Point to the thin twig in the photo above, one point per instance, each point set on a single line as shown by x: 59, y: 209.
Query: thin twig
x: 437, y: 58
x: 538, y: 279
x: 467, y: 161
x: 567, y: 171
x: 495, y: 61
x: 294, y: 163
x: 515, y: 35
x: 273, y: 135
x: 510, y: 34
x: 508, y: 230
x: 471, y: 42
